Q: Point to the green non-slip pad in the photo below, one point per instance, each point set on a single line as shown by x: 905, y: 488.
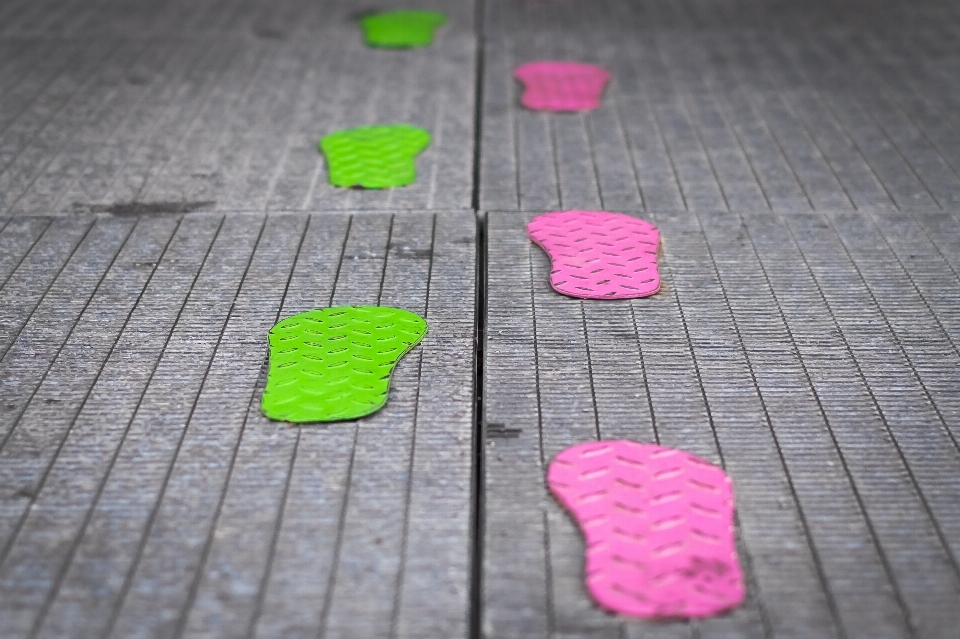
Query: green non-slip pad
x: 374, y: 157
x: 335, y: 363
x: 401, y: 29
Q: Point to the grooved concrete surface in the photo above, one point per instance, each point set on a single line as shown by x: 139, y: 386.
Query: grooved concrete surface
x: 162, y: 204
x: 813, y: 355
x: 728, y: 106
x: 143, y: 492
x: 218, y: 106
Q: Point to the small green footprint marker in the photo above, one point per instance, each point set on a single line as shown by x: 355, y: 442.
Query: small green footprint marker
x: 374, y: 157
x: 401, y: 29
x: 335, y: 363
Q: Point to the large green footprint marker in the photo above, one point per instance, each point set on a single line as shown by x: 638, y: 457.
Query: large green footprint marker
x: 374, y: 157
x: 401, y: 29
x: 335, y: 364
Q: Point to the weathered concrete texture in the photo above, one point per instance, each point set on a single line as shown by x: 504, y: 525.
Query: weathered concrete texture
x: 801, y: 162
x: 163, y: 203
x: 269, y: 19
x: 813, y: 355
x: 725, y: 106
x: 144, y: 494
x: 137, y: 120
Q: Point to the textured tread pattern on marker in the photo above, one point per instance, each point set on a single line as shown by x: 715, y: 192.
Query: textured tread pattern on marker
x: 658, y: 524
x: 598, y: 255
x: 374, y: 157
x: 561, y: 86
x: 401, y: 29
x: 335, y: 364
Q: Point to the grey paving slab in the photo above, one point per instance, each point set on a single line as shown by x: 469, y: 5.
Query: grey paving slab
x: 163, y: 202
x: 229, y: 121
x: 145, y: 494
x: 269, y: 19
x: 718, y: 106
x: 809, y: 353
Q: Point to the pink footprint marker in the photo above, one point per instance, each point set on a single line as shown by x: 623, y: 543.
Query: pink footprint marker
x: 599, y: 255
x: 561, y: 86
x: 658, y: 524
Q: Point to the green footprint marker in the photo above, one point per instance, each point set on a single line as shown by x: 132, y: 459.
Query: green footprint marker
x: 335, y: 364
x: 374, y: 157
x: 401, y: 29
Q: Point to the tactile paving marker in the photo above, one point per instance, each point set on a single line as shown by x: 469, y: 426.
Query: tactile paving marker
x: 561, y: 86
x: 598, y: 255
x: 335, y: 364
x: 401, y: 29
x: 658, y: 524
x: 374, y: 157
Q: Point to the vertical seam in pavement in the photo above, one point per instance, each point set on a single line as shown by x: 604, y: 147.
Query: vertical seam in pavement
x: 479, y: 431
x: 585, y: 121
x: 348, y: 478
x: 612, y: 95
x: 643, y: 371
x: 515, y: 130
x: 405, y: 533
x: 475, y: 597
x: 593, y: 390
x: 554, y: 153
x: 536, y: 350
x: 536, y: 360
x: 550, y: 603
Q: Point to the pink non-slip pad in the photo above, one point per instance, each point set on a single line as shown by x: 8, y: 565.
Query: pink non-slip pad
x: 658, y: 524
x: 561, y: 86
x: 598, y: 255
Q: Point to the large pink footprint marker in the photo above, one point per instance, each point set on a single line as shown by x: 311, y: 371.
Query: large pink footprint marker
x: 598, y: 255
x: 658, y: 524
x: 561, y: 86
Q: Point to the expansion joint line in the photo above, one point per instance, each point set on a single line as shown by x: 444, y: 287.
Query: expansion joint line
x: 475, y: 617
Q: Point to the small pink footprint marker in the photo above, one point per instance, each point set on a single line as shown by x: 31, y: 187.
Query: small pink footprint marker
x: 658, y: 524
x: 598, y: 255
x: 561, y: 86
